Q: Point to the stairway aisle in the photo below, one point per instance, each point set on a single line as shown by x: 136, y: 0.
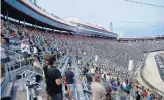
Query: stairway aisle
x: 79, y: 88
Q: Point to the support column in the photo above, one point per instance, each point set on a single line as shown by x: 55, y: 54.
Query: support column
x: 24, y: 23
x: 7, y: 19
x: 35, y: 26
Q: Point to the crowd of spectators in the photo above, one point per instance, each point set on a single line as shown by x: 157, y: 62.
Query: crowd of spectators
x: 109, y: 73
x: 116, y: 82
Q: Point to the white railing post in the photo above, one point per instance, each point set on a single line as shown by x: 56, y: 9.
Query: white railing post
x: 27, y: 93
x: 76, y: 92
x: 6, y: 71
x: 20, y: 60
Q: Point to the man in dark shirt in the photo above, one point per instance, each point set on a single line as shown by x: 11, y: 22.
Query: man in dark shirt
x: 138, y: 97
x: 89, y: 79
x: 70, y: 80
x: 85, y: 71
x: 69, y: 75
x: 53, y: 80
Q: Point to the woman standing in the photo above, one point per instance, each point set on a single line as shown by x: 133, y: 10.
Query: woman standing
x: 37, y: 68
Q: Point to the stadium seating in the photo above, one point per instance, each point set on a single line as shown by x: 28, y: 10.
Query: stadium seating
x: 113, y: 56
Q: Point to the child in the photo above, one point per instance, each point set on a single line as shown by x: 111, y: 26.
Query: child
x: 66, y: 90
x: 65, y: 83
x: 108, y: 93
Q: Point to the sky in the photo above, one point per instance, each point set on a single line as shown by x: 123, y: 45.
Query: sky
x: 129, y: 19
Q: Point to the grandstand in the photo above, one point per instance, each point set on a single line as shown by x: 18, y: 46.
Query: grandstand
x: 76, y: 47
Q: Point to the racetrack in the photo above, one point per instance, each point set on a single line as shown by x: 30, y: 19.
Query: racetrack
x: 151, y: 73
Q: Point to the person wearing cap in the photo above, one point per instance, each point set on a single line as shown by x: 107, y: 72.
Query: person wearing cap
x: 98, y: 90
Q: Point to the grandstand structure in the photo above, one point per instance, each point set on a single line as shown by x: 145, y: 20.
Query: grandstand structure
x: 24, y: 10
x: 141, y: 38
x: 23, y: 20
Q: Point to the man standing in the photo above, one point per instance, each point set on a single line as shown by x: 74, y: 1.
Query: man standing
x: 89, y: 79
x: 28, y: 49
x: 3, y: 56
x: 53, y: 80
x: 69, y: 61
x: 92, y: 70
x: 23, y: 46
x: 35, y: 50
x: 69, y: 77
x: 24, y: 49
x: 98, y: 91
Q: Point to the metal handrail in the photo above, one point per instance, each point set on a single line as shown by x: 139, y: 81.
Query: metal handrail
x: 15, y: 53
x: 30, y: 95
x: 27, y: 93
x: 35, y: 73
x: 24, y: 72
x: 65, y: 65
x: 19, y: 56
x: 12, y: 66
x: 86, y: 89
x: 26, y: 79
x: 76, y: 92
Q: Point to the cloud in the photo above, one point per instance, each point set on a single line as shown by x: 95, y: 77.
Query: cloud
x: 105, y: 11
x: 152, y: 30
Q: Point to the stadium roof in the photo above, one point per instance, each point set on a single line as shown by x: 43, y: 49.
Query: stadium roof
x: 12, y: 12
x: 141, y: 38
x: 24, y: 10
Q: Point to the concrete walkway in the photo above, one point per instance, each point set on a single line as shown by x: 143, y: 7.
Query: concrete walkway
x: 79, y: 88
x: 151, y: 73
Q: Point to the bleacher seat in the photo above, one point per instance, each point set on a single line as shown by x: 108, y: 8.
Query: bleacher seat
x: 6, y: 91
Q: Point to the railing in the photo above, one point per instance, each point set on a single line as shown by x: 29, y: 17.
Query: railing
x: 86, y: 90
x: 84, y: 86
x: 15, y: 67
x: 76, y: 92
x: 31, y: 92
x: 65, y: 65
x: 16, y: 64
x: 14, y: 59
x: 19, y: 56
x: 27, y: 75
x: 27, y: 93
x: 30, y: 96
x: 28, y: 80
x: 30, y: 72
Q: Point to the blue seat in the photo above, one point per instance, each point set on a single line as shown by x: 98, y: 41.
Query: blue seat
x: 6, y: 91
